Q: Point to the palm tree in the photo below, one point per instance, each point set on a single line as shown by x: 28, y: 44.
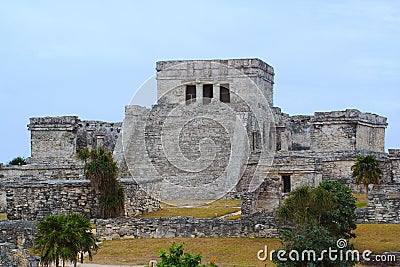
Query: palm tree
x: 306, y: 206
x: 48, y: 239
x: 63, y: 237
x: 102, y: 171
x: 366, y: 170
x: 86, y: 241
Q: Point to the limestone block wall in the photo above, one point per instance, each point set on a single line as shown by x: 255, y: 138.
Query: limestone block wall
x: 33, y: 200
x: 189, y: 145
x: 334, y: 137
x: 370, y: 138
x: 137, y: 200
x: 21, y: 233
x: 295, y: 134
x: 53, y: 137
x: 12, y: 256
x: 264, y: 199
x: 383, y: 205
x: 15, y: 239
x: 55, y: 140
x: 348, y: 130
x: 175, y: 74
x: 131, y: 146
x: 169, y: 227
x: 93, y: 134
x: 45, y: 171
x: 394, y: 157
x: 305, y: 168
x: 337, y: 167
x: 3, y: 202
x: 302, y: 168
x: 177, y: 147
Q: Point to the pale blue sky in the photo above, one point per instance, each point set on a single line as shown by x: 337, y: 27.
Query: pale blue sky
x: 87, y: 58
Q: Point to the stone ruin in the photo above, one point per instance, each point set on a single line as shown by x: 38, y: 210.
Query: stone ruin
x: 213, y: 133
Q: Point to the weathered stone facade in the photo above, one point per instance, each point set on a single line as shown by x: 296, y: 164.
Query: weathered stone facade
x: 301, y: 149
x: 57, y: 139
x: 120, y: 228
x: 15, y: 238
x: 213, y: 133
x: 33, y: 200
x: 21, y: 233
x: 10, y: 256
x: 383, y: 205
x: 198, y: 135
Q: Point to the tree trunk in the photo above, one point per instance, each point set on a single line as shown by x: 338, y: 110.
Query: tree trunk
x: 81, y: 257
x: 366, y: 192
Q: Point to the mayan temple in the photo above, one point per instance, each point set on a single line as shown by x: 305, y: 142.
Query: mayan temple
x: 214, y: 133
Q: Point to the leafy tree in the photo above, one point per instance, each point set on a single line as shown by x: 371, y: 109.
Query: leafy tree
x: 18, y: 161
x: 366, y: 170
x: 102, y: 171
x: 341, y: 220
x: 315, y: 219
x: 63, y: 237
x: 176, y: 258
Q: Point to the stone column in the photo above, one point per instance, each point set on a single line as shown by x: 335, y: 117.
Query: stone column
x: 199, y: 91
x: 99, y: 141
x: 216, y: 92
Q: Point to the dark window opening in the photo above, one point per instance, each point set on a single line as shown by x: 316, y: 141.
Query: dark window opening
x: 224, y: 94
x: 190, y: 93
x: 286, y: 183
x: 253, y: 139
x: 207, y: 93
x: 256, y: 140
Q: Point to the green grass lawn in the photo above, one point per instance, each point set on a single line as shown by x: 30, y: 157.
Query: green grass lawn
x: 213, y: 209
x: 377, y: 237
x: 361, y: 201
x: 233, y: 251
x: 228, y: 251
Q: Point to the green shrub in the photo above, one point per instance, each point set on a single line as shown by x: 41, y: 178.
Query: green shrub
x: 176, y: 258
x: 18, y: 161
x: 315, y: 219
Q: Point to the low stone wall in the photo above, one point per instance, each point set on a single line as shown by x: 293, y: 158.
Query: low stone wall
x: 137, y: 201
x: 51, y: 170
x: 15, y: 239
x: 383, y: 205
x: 16, y: 257
x: 262, y: 226
x: 20, y: 233
x: 33, y: 200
